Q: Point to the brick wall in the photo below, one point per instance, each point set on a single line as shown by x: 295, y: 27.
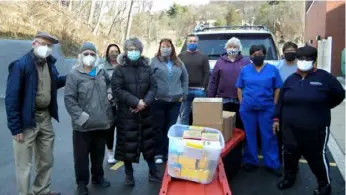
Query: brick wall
x: 315, y: 23
x: 327, y: 18
x: 335, y: 27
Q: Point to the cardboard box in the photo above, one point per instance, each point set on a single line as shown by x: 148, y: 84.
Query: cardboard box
x: 226, y: 126
x: 207, y: 110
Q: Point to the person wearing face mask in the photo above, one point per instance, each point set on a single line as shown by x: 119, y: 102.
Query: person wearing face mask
x: 224, y: 77
x: 197, y: 65
x: 112, y: 53
x: 258, y: 90
x: 31, y: 103
x: 87, y: 100
x: 172, y: 81
x: 305, y: 104
x: 134, y: 85
x: 288, y: 65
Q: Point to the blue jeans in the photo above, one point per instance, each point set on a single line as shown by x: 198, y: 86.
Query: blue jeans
x: 186, y: 106
x: 165, y: 115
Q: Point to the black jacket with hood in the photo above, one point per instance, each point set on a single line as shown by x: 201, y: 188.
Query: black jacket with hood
x: 132, y: 81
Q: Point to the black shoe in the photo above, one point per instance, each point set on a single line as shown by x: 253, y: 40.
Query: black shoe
x: 82, y: 190
x: 249, y: 167
x: 286, y: 182
x: 323, y: 190
x: 129, y: 180
x: 101, y: 183
x: 154, y: 177
x: 276, y: 172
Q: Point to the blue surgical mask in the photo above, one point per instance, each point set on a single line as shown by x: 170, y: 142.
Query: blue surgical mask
x: 192, y: 46
x: 133, y: 55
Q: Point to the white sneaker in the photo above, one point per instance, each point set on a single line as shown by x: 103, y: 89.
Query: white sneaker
x: 111, y: 159
x: 158, y: 161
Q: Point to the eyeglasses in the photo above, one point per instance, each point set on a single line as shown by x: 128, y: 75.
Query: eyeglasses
x: 89, y: 54
x: 44, y: 44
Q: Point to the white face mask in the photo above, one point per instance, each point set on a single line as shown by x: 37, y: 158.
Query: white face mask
x: 89, y: 60
x: 304, y: 65
x: 43, y: 51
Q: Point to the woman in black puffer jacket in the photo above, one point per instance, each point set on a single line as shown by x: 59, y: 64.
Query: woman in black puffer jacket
x: 134, y: 87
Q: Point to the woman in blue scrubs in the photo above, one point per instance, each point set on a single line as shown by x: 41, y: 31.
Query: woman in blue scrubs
x: 258, y: 90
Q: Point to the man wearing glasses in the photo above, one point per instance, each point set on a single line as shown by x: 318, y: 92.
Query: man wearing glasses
x: 31, y: 102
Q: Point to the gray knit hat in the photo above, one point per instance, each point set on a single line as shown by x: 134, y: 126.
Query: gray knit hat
x: 88, y: 46
x: 133, y: 42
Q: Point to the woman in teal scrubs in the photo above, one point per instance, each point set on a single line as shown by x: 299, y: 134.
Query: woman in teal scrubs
x: 258, y: 90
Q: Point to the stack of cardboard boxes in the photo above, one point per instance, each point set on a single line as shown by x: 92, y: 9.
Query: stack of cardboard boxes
x: 207, y: 112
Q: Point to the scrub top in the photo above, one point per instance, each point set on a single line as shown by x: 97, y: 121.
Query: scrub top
x: 258, y: 87
x: 93, y: 72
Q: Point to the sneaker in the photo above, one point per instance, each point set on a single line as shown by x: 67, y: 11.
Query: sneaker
x: 82, y: 190
x: 287, y: 182
x: 111, y: 159
x: 129, y: 180
x: 323, y: 190
x: 102, y: 183
x: 154, y: 177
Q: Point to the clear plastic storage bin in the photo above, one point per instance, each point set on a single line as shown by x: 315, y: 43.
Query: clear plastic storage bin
x: 186, y: 162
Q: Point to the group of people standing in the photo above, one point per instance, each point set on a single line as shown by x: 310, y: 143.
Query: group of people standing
x: 142, y: 98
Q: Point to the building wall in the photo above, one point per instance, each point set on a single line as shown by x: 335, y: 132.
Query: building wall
x: 315, y: 21
x: 335, y: 27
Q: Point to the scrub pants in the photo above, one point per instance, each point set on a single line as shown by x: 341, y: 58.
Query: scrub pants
x: 264, y: 119
x: 311, y: 144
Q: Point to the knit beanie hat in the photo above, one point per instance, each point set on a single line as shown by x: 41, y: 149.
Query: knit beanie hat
x: 88, y: 46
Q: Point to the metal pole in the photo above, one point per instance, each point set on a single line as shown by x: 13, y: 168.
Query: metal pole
x: 129, y: 21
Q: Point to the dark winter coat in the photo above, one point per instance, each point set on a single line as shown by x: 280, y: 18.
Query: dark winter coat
x: 132, y: 81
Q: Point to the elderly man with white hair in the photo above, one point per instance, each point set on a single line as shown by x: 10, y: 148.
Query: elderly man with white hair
x: 134, y: 86
x: 224, y: 77
x: 31, y: 102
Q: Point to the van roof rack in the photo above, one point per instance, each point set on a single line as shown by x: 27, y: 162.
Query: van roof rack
x: 245, y: 27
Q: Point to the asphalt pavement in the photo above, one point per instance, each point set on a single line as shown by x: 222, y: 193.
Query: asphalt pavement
x: 256, y: 183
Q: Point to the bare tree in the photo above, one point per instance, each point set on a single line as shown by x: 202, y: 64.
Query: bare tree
x: 129, y: 20
x: 91, y: 13
x: 70, y: 5
x: 100, y: 17
x: 119, y: 10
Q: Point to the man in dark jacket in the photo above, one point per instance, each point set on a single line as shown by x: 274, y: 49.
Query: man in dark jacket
x: 31, y: 102
x: 304, y: 104
x: 134, y: 87
x: 197, y: 66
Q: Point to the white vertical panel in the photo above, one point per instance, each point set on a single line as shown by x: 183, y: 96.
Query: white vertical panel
x: 329, y: 54
x: 320, y: 50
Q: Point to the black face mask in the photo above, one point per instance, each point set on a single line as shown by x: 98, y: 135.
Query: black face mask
x: 258, y: 60
x: 290, y: 56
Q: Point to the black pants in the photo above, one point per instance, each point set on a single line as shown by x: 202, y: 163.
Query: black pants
x: 280, y: 142
x: 232, y: 107
x: 110, y: 137
x: 165, y: 115
x: 151, y: 165
x: 84, y: 144
x: 312, y: 145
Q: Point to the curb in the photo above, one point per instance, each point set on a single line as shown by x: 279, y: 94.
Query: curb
x: 337, y: 154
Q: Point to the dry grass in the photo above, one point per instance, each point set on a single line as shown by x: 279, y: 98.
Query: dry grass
x: 22, y: 20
